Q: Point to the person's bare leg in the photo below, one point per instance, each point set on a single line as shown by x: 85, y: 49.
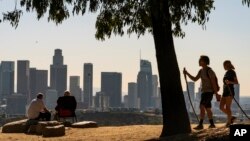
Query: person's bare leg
x: 210, y: 117
x: 202, y: 115
x: 228, y: 108
x: 222, y: 105
x: 202, y: 112
x: 209, y: 113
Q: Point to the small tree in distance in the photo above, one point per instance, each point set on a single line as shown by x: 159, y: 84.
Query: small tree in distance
x: 162, y: 18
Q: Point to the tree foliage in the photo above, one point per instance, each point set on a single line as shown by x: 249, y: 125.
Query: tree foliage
x: 116, y: 16
x: 134, y: 16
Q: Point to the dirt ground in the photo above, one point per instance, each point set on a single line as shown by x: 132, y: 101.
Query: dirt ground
x: 120, y: 133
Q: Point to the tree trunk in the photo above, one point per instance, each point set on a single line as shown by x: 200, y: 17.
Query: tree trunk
x: 175, y: 116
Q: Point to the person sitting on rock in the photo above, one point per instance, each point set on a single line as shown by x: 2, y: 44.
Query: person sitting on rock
x: 37, y: 109
x: 66, y: 106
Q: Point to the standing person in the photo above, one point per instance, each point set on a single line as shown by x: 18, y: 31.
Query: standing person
x: 209, y: 87
x: 37, y: 109
x: 229, y: 80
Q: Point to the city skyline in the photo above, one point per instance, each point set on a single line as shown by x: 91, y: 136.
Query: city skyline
x: 81, y: 77
x: 94, y: 89
x: 225, y: 37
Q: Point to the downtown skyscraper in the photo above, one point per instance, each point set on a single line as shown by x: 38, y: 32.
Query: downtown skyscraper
x: 7, y: 78
x: 23, y: 78
x: 74, y: 87
x: 38, y: 82
x: 58, y: 73
x: 133, y: 101
x: 111, y: 85
x: 88, y: 84
x: 145, y: 85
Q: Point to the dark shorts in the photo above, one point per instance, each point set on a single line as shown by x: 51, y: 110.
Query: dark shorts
x: 227, y: 93
x: 206, y: 99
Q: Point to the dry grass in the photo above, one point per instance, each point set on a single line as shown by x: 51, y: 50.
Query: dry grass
x: 120, y: 133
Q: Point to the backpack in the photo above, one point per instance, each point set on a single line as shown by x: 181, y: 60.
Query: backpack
x: 216, y: 79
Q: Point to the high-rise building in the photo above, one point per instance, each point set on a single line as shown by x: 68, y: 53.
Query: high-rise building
x: 158, y: 99
x: 235, y: 108
x: 7, y: 78
x: 74, y: 87
x: 101, y: 102
x: 192, y: 96
x: 88, y: 84
x: 186, y: 98
x: 51, y: 99
x: 23, y: 77
x: 197, y: 100
x: 38, y: 82
x: 125, y: 101
x: 191, y: 88
x: 111, y: 85
x: 58, y: 73
x: 145, y: 85
x: 16, y: 104
x: 32, y: 84
x: 155, y: 90
x: 132, y: 95
x: 155, y: 85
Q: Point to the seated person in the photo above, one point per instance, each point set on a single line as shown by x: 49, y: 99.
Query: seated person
x: 66, y: 105
x: 37, y: 109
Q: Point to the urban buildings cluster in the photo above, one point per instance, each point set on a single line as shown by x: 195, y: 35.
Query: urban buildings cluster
x: 143, y: 94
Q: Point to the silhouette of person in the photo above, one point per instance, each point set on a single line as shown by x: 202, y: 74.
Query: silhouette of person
x: 66, y: 105
x: 208, y: 80
x: 37, y: 109
x: 229, y: 80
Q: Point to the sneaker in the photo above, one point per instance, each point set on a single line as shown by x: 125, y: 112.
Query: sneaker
x: 212, y: 126
x: 233, y: 119
x: 199, y: 127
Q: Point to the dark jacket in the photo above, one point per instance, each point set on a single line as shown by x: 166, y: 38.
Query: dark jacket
x: 66, y: 102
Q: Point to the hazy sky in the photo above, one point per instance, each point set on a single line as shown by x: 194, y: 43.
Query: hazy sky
x: 227, y: 37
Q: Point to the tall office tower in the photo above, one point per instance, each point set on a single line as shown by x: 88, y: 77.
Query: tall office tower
x: 38, y: 82
x: 158, y: 100
x: 23, y: 78
x: 74, y: 87
x: 155, y: 85
x: 197, y: 100
x: 111, y: 85
x: 192, y: 96
x: 125, y: 101
x: 58, y: 73
x: 7, y: 78
x: 145, y: 85
x: 101, y: 102
x: 16, y: 104
x: 191, y: 88
x: 51, y: 99
x: 155, y: 90
x: 186, y: 98
x: 235, y: 108
x: 88, y: 84
x: 132, y: 95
